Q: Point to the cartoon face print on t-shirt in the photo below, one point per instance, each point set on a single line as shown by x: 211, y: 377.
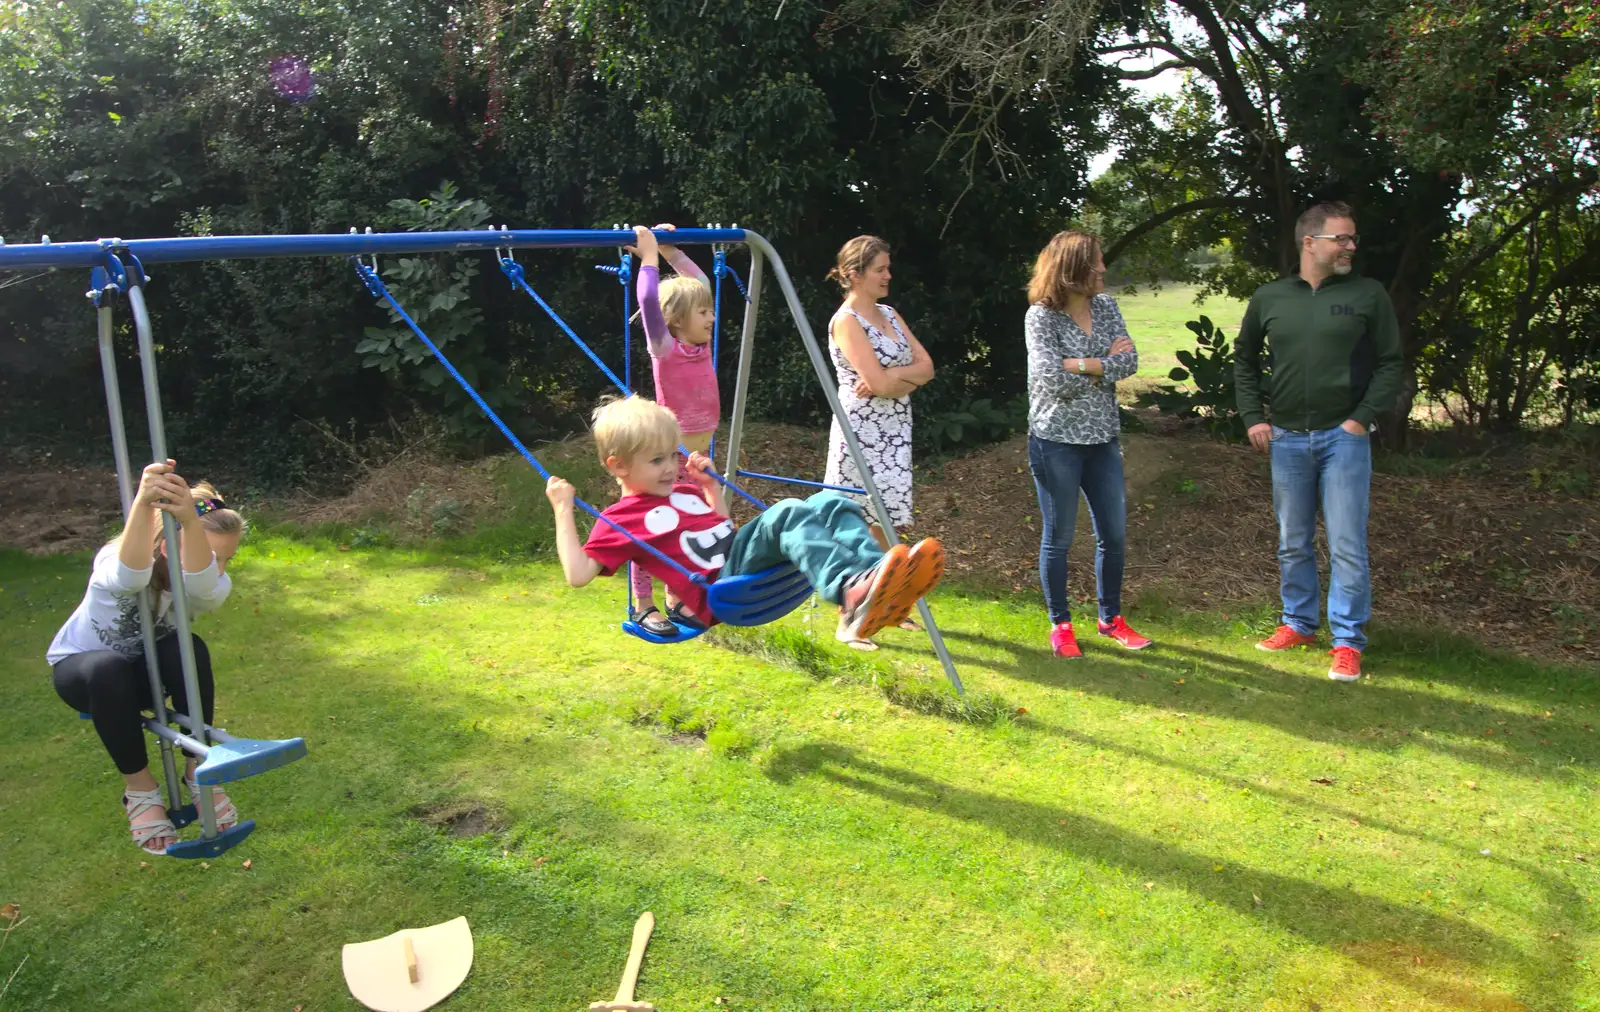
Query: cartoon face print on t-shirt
x: 706, y: 548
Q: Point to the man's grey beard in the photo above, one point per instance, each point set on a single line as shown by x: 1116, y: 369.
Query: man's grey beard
x: 1341, y: 265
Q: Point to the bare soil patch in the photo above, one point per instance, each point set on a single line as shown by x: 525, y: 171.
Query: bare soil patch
x: 461, y: 819
x: 1479, y: 552
x: 52, y: 510
x: 1482, y: 551
x: 412, y: 492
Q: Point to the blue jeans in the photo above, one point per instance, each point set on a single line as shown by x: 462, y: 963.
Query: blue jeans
x: 1331, y: 468
x: 1061, y: 471
x: 826, y: 537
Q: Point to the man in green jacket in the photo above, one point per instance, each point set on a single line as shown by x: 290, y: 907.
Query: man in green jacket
x: 1336, y: 362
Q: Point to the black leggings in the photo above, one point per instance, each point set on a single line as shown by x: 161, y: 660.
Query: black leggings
x: 114, y: 689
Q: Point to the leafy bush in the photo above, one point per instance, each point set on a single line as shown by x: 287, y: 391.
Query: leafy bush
x: 974, y: 422
x: 1210, y: 396
x: 437, y: 291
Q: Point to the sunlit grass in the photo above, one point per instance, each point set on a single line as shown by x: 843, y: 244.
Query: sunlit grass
x: 1198, y: 826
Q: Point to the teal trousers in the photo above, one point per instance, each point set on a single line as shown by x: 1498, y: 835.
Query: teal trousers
x: 825, y: 537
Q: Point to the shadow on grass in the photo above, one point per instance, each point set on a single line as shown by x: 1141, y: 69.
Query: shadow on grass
x: 339, y: 846
x: 1344, y: 920
x: 1563, y: 903
x: 1311, y: 708
x: 920, y: 695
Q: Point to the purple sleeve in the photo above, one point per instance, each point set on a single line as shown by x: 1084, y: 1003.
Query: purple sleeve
x: 685, y: 265
x: 656, y: 335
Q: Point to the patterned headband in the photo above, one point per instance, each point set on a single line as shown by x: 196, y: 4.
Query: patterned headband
x: 205, y: 506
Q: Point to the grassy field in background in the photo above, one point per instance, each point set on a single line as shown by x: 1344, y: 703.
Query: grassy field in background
x: 1156, y: 321
x: 1199, y: 826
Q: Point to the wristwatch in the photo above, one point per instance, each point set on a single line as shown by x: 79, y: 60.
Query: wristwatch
x: 1080, y: 365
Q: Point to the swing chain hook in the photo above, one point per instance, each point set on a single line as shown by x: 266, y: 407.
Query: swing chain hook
x: 367, y: 260
x: 625, y: 271
x: 507, y: 258
x: 110, y: 278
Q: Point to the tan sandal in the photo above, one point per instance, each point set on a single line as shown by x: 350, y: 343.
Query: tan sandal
x: 849, y: 639
x: 136, y: 803
x: 227, y: 815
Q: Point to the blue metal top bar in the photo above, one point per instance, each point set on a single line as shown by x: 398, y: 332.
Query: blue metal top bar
x: 242, y: 247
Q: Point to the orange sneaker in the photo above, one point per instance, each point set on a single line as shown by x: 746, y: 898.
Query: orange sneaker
x: 1062, y: 641
x: 875, y: 596
x: 1346, y: 664
x: 1120, y: 632
x: 927, y: 566
x: 1285, y: 638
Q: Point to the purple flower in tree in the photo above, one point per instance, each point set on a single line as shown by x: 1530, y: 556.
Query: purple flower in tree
x: 292, y: 78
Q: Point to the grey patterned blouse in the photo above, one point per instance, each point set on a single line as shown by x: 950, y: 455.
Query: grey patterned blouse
x: 1064, y: 406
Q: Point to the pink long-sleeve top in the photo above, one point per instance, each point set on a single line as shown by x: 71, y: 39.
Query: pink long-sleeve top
x: 686, y: 380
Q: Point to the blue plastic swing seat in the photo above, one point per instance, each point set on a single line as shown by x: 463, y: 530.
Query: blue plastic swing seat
x: 214, y: 847
x: 235, y: 760
x: 745, y: 600
x: 245, y: 757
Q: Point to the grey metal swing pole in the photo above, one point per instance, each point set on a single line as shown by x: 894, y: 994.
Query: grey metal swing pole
x: 128, y: 488
x: 820, y: 365
x: 204, y: 804
x: 741, y: 385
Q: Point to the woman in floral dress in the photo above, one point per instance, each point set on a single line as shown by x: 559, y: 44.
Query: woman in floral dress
x: 879, y: 363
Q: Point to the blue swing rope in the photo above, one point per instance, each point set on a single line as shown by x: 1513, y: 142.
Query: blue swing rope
x: 513, y: 270
x: 624, y: 274
x: 376, y: 286
x: 719, y: 267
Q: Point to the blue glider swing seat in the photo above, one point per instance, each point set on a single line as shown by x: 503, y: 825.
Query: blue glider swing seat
x: 749, y: 599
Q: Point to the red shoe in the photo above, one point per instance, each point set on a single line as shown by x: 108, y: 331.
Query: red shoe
x: 1063, y: 643
x: 1346, y: 664
x: 1285, y: 638
x: 1119, y: 631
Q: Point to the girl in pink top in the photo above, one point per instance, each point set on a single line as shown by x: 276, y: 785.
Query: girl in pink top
x: 679, y: 315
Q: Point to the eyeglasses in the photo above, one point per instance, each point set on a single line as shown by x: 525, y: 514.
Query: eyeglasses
x: 1343, y: 240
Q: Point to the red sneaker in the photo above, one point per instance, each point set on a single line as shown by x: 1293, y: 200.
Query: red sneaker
x: 1120, y: 631
x: 1285, y: 638
x: 1346, y: 664
x: 1063, y: 643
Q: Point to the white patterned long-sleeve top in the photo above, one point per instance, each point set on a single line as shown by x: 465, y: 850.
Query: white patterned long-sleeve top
x: 1064, y: 406
x: 108, y: 616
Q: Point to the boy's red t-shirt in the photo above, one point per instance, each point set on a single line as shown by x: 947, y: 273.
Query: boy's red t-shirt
x: 682, y: 526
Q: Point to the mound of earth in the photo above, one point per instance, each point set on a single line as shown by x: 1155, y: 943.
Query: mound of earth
x: 1484, y: 553
x: 47, y: 511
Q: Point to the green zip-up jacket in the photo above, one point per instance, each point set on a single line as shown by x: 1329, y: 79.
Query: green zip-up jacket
x: 1335, y: 352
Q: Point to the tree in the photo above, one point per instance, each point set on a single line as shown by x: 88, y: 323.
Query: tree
x: 1288, y: 104
x: 153, y: 117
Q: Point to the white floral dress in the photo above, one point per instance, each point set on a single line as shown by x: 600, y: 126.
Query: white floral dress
x: 882, y: 424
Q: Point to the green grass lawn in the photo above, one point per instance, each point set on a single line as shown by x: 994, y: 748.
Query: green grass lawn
x: 1156, y: 321
x: 1196, y: 827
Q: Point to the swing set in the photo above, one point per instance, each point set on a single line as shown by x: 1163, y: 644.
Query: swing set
x: 117, y: 269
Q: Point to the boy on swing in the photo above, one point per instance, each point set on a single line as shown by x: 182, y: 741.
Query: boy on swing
x: 825, y: 537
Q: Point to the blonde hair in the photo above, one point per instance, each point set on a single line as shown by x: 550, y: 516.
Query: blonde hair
x: 1065, y: 266
x: 220, y: 520
x: 855, y: 257
x: 681, y: 297
x: 628, y: 426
